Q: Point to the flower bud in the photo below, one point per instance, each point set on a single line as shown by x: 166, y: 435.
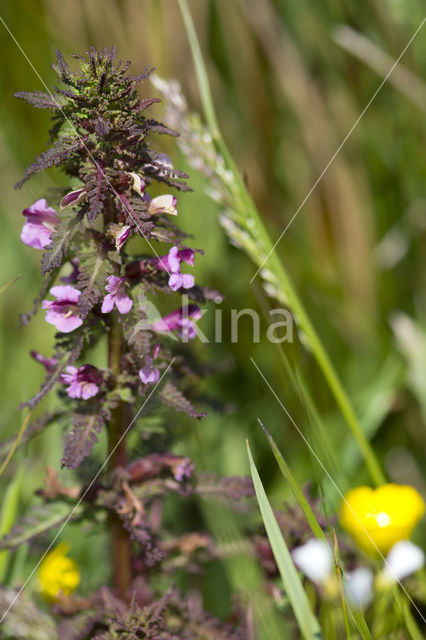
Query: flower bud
x: 315, y: 560
x: 402, y: 560
x: 72, y: 198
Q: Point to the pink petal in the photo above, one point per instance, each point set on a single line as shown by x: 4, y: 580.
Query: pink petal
x: 174, y: 262
x: 175, y: 281
x: 123, y: 303
x: 66, y: 292
x: 188, y: 281
x: 35, y: 235
x: 108, y: 303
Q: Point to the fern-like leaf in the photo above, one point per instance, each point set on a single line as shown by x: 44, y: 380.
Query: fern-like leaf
x: 41, y: 519
x: 93, y: 271
x: 174, y: 398
x: 39, y: 99
x: 60, y: 151
x: 81, y: 439
x: 230, y: 487
x: 56, y: 251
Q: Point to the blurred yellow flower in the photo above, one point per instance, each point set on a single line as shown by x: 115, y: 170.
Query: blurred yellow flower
x: 58, y: 575
x: 378, y: 518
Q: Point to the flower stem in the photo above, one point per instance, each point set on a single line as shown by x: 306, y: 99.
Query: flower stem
x: 120, y: 540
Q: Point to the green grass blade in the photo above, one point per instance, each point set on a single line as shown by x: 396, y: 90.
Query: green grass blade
x: 297, y: 491
x: 9, y: 284
x: 277, y: 275
x: 293, y: 587
x: 8, y: 516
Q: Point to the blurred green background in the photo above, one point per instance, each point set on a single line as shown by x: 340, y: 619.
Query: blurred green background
x: 289, y: 80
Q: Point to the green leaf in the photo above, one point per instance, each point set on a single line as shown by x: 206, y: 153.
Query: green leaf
x: 40, y: 520
x: 297, y: 491
x: 293, y: 587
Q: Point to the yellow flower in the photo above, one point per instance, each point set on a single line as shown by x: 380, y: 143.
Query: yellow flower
x: 381, y: 517
x: 58, y: 575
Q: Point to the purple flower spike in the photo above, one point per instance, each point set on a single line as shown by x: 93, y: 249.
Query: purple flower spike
x: 177, y: 321
x: 122, y: 237
x: 163, y: 204
x: 83, y: 382
x: 116, y: 295
x: 39, y: 226
x: 63, y: 312
x: 72, y: 198
x: 48, y: 363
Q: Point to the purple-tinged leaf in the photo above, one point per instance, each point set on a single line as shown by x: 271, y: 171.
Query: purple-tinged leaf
x: 81, y: 439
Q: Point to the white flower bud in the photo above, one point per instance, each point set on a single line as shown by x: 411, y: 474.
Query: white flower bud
x: 359, y: 587
x: 402, y: 560
x: 314, y: 559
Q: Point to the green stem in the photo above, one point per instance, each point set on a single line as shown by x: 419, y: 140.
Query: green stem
x: 244, y: 202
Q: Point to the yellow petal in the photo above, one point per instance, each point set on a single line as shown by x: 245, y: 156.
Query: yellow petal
x: 378, y: 518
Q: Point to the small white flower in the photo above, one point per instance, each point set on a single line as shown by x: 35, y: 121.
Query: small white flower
x: 138, y: 183
x: 402, y: 560
x: 163, y: 204
x: 359, y: 587
x: 315, y: 560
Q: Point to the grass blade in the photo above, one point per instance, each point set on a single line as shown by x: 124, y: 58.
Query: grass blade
x: 293, y: 587
x: 297, y: 492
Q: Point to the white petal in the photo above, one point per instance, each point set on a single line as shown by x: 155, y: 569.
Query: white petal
x: 403, y: 559
x: 359, y: 587
x: 314, y: 559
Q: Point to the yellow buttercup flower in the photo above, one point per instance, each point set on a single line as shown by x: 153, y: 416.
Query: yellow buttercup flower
x: 58, y: 575
x: 378, y: 518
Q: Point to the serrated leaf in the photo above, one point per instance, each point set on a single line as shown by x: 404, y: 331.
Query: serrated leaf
x: 93, y: 271
x: 39, y: 520
x: 81, y: 439
x: 56, y: 251
x: 39, y: 99
x: 174, y: 398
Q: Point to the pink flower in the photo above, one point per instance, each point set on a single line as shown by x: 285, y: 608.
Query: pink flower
x: 163, y: 204
x: 149, y: 374
x: 48, y: 363
x: 171, y: 264
x: 180, y: 321
x: 39, y: 226
x: 83, y: 381
x: 63, y: 312
x: 116, y: 295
